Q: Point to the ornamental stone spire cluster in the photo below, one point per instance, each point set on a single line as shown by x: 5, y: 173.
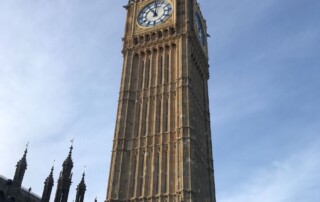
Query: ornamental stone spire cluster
x: 13, y: 190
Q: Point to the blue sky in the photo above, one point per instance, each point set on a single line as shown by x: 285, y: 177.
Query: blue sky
x: 60, y: 66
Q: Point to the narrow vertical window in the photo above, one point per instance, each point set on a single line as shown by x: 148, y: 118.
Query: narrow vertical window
x: 160, y: 69
x: 141, y: 174
x: 166, y: 112
x: 137, y: 121
x: 147, y: 82
x: 158, y: 171
x: 159, y: 116
x: 167, y: 68
x: 144, y: 119
x: 141, y: 74
x: 165, y: 171
x: 133, y: 175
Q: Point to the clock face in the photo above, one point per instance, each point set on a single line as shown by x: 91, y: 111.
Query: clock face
x: 199, y: 29
x: 155, y: 13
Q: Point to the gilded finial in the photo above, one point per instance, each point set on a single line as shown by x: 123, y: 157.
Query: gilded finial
x: 72, y: 140
x: 71, y: 147
x: 26, y: 150
x: 84, y: 171
x: 53, y: 165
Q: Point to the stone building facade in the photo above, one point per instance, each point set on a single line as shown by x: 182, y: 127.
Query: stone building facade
x: 162, y: 149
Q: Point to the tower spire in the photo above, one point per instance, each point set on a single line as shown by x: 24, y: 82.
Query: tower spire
x: 81, y: 189
x: 48, y: 184
x: 65, y: 178
x: 21, y: 168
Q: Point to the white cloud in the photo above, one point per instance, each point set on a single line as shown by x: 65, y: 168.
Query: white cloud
x: 289, y: 180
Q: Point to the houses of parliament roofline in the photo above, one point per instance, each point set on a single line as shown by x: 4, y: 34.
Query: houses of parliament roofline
x: 11, y: 190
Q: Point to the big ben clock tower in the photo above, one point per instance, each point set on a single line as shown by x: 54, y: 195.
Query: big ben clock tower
x: 162, y: 149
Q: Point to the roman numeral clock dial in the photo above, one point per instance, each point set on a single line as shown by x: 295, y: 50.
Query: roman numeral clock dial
x: 155, y: 13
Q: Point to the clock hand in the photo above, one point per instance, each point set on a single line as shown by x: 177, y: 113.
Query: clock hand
x: 154, y: 13
x: 155, y: 9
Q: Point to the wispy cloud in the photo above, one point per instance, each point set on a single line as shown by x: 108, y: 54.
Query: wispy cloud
x: 290, y: 179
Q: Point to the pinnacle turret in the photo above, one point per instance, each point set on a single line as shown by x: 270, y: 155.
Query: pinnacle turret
x: 82, y: 183
x: 69, y: 162
x: 65, y: 178
x: 81, y: 189
x: 48, y: 184
x: 21, y: 168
